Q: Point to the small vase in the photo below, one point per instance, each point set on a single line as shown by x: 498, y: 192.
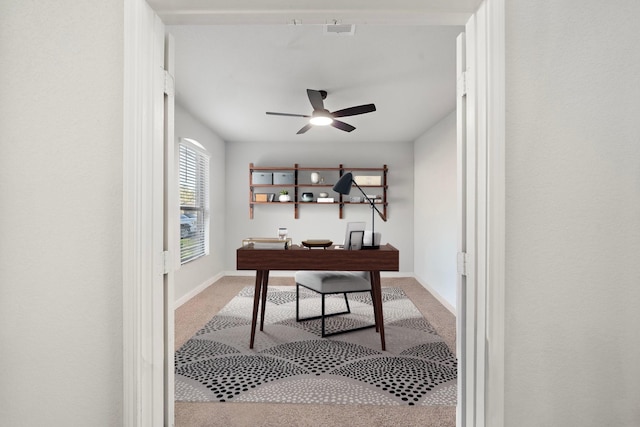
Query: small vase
x: 315, y: 177
x: 284, y: 198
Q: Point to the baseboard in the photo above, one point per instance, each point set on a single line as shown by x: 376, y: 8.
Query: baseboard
x: 436, y: 295
x: 204, y: 285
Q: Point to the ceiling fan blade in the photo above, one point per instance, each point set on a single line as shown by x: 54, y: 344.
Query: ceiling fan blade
x: 354, y: 111
x: 287, y: 114
x: 304, y: 129
x: 342, y: 126
x: 315, y: 97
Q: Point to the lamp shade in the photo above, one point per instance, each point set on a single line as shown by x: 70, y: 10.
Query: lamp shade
x: 343, y: 186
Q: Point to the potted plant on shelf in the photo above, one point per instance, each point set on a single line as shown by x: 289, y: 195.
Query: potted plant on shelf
x: 284, y: 196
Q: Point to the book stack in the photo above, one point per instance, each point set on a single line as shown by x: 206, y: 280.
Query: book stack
x: 266, y: 243
x: 376, y: 198
x: 325, y: 199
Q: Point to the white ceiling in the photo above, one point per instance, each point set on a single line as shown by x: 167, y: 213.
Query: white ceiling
x: 229, y: 75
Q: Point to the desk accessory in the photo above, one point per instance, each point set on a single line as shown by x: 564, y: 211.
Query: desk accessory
x: 317, y: 243
x: 266, y: 243
x: 282, y: 233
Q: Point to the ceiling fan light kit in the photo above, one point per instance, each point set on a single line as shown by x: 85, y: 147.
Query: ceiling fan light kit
x: 323, y: 117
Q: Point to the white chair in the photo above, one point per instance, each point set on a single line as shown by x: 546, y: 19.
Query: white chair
x: 332, y: 282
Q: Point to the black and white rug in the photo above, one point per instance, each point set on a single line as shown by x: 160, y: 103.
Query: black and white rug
x: 291, y: 363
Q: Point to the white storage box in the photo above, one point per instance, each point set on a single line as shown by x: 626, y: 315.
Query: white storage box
x: 283, y: 178
x: 261, y: 178
x: 368, y: 179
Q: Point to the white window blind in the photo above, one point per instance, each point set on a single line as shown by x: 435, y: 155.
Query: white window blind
x: 194, y: 201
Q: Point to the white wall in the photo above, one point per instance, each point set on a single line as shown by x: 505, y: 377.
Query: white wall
x: 315, y: 221
x: 435, y: 210
x: 199, y: 273
x: 573, y: 214
x: 61, y: 226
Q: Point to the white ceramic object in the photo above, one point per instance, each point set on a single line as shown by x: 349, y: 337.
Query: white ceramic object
x: 282, y: 233
x: 315, y: 177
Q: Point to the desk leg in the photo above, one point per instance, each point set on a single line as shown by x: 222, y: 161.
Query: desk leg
x: 373, y: 301
x: 376, y: 287
x: 256, y: 301
x: 265, y: 284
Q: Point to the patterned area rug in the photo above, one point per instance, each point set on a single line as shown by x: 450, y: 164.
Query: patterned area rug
x: 291, y: 363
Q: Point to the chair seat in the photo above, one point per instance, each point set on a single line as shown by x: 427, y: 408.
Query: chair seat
x: 334, y: 282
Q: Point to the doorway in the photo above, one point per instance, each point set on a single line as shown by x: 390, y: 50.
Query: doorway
x: 491, y: 255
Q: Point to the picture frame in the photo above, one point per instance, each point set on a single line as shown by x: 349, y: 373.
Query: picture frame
x: 354, y: 236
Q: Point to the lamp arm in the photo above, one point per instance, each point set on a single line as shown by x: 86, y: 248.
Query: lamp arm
x: 370, y: 201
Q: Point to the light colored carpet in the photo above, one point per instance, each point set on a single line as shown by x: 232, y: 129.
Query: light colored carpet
x: 194, y: 314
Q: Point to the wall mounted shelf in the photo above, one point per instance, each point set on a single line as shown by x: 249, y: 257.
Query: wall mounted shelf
x: 264, y: 190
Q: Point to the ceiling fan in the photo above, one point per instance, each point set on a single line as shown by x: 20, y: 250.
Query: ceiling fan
x: 322, y: 117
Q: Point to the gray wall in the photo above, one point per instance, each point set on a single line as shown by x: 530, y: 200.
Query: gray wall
x: 572, y: 214
x: 435, y: 210
x: 199, y: 273
x: 315, y: 221
x: 61, y: 123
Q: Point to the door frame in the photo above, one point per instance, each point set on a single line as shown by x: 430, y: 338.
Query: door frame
x: 482, y: 251
x: 142, y: 263
x: 143, y: 258
x: 496, y: 213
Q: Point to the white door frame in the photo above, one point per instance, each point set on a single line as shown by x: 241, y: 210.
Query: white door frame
x: 481, y: 151
x: 171, y: 227
x: 496, y: 214
x: 143, y: 217
x: 461, y: 220
x: 143, y: 356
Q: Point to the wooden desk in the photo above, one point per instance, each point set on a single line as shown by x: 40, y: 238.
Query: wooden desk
x: 298, y: 258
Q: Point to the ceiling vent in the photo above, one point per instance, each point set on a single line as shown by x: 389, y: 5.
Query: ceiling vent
x: 340, y: 29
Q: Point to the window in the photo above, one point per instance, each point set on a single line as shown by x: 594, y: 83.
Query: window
x: 194, y: 200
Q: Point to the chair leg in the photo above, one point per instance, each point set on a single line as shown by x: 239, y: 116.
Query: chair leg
x: 323, y: 315
x: 346, y: 301
x: 297, y: 302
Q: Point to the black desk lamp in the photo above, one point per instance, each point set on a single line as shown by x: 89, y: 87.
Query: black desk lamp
x: 343, y: 186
